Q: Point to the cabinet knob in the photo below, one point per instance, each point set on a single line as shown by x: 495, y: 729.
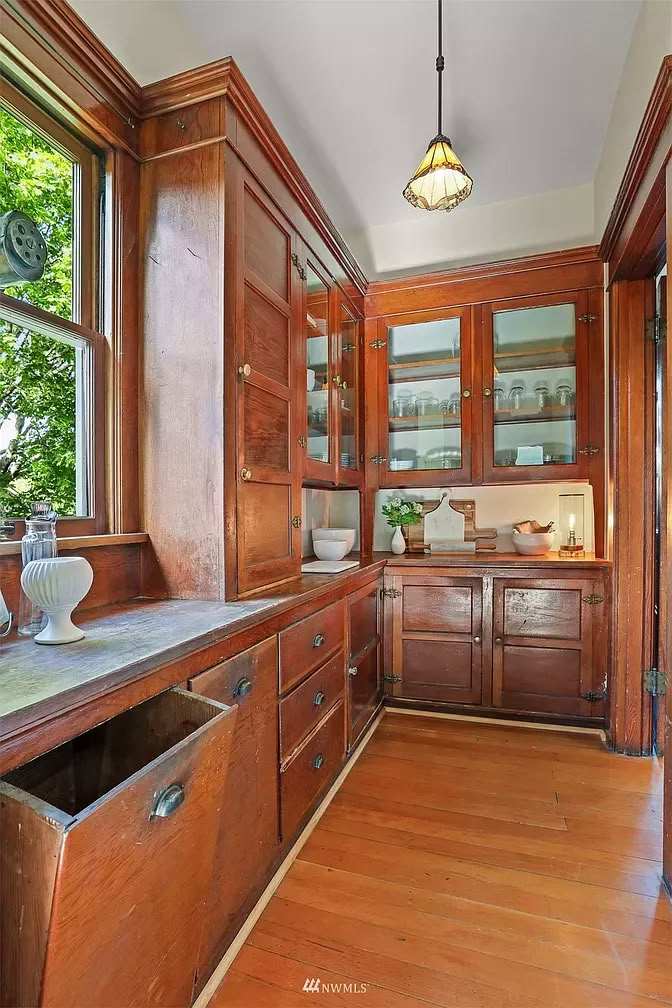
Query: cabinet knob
x: 318, y: 761
x: 477, y: 640
x: 498, y: 640
x: 245, y: 474
x: 180, y: 124
x: 466, y: 393
x: 242, y: 687
x: 167, y: 800
x: 318, y: 640
x: 487, y: 392
x: 319, y: 698
x: 352, y: 671
x: 244, y: 370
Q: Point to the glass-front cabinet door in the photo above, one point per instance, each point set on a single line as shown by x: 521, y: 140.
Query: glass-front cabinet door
x: 347, y: 390
x: 427, y: 403
x: 535, y: 378
x: 319, y: 449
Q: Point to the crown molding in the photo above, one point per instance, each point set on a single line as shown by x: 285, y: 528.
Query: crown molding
x: 656, y: 118
x: 224, y: 78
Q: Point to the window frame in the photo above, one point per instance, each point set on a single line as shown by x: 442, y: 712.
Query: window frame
x: 87, y: 302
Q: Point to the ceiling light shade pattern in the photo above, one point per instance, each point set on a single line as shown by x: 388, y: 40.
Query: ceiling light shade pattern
x: 440, y: 182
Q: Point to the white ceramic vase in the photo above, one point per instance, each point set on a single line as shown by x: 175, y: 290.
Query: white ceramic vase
x: 57, y: 586
x: 398, y: 544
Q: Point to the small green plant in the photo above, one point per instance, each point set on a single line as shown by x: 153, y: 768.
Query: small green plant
x: 401, y: 512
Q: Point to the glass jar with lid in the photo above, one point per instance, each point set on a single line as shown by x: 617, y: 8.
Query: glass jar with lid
x: 542, y: 397
x: 517, y: 397
x: 403, y: 405
x: 38, y: 543
x: 564, y: 395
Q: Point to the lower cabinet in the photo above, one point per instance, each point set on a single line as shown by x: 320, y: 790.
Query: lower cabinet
x: 365, y: 661
x: 248, y: 841
x: 107, y: 855
x: 311, y: 770
x: 532, y: 641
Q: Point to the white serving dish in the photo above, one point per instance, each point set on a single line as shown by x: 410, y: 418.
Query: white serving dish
x: 532, y: 543
x: 330, y: 549
x: 340, y: 534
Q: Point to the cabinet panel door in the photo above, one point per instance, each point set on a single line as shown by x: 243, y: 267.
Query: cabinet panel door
x: 365, y: 613
x: 348, y: 394
x: 268, y: 293
x: 248, y: 835
x: 536, y: 388
x: 437, y: 639
x: 543, y: 646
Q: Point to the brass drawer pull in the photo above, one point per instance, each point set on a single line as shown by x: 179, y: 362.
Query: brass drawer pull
x: 245, y: 474
x: 318, y: 640
x: 242, y: 687
x: 318, y: 761
x: 180, y: 124
x: 167, y: 801
x: 319, y: 698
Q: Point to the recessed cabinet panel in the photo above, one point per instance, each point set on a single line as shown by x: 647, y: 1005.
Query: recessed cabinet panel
x: 364, y: 693
x: 267, y: 246
x: 447, y: 609
x: 543, y: 612
x: 267, y: 335
x: 267, y: 425
x: 363, y: 614
x: 266, y: 541
x: 440, y: 670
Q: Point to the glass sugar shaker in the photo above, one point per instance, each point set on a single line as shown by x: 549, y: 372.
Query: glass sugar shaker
x: 39, y: 543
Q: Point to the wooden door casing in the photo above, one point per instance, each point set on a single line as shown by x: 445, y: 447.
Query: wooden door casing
x: 437, y: 639
x: 268, y: 305
x: 543, y: 645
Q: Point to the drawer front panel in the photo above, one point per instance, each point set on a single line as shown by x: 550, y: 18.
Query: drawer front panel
x: 306, y: 645
x: 312, y: 770
x: 551, y: 612
x: 248, y: 832
x: 439, y: 608
x: 182, y: 127
x: 308, y: 703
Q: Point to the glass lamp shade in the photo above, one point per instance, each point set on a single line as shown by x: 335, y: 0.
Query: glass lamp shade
x: 440, y: 182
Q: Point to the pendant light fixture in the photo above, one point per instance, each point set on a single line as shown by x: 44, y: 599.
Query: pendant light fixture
x: 440, y: 182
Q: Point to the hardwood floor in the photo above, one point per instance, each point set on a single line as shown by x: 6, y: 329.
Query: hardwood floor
x: 472, y: 866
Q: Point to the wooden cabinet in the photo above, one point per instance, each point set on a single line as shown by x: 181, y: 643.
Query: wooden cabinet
x: 311, y: 770
x: 548, y: 652
x: 107, y: 854
x: 526, y: 640
x: 248, y: 829
x: 365, y: 658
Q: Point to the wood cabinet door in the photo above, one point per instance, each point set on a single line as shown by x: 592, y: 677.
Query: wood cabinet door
x: 248, y: 829
x: 267, y: 290
x: 543, y: 645
x: 437, y: 638
x: 348, y: 393
x: 365, y: 658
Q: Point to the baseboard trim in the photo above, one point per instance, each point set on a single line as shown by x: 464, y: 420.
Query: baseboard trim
x: 241, y: 937
x: 493, y: 722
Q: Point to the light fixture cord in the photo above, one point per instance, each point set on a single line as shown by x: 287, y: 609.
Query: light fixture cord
x: 440, y: 63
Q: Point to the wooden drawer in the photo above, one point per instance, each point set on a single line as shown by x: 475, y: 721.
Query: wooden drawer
x: 307, y: 644
x: 182, y: 127
x: 308, y: 703
x: 249, y: 830
x: 312, y: 770
x: 97, y: 857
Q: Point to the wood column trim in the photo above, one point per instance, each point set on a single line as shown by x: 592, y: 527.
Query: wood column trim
x: 665, y: 640
x: 629, y: 714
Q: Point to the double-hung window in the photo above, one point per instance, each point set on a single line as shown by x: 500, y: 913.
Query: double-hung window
x: 51, y: 347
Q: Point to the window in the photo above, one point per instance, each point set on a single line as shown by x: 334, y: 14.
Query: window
x: 50, y: 352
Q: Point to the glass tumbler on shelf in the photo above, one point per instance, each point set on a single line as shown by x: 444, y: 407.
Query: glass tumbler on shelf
x: 38, y: 543
x: 517, y: 397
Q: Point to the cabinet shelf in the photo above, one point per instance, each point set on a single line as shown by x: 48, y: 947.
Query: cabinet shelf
x: 534, y: 360
x: 548, y: 414
x: 405, y: 371
x: 435, y: 421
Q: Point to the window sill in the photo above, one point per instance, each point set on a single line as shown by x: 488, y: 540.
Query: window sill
x: 82, y: 542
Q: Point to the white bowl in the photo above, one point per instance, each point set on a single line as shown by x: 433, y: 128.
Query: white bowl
x: 57, y: 585
x: 339, y: 534
x: 330, y: 549
x: 532, y: 543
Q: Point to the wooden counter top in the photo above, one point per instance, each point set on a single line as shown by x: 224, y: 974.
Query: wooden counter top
x: 133, y: 651
x: 491, y: 558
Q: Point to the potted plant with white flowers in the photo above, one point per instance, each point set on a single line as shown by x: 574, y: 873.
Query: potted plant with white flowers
x: 399, y: 513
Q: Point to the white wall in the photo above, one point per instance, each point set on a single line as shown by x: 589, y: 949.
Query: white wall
x: 479, y: 233
x: 328, y: 509
x: 651, y: 41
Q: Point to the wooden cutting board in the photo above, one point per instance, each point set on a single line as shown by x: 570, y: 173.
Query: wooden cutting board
x: 471, y: 533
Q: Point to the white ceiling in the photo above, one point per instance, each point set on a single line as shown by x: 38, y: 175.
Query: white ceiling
x: 351, y: 86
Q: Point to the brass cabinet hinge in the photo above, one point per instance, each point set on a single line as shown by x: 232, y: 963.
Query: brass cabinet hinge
x: 656, y: 329
x: 592, y: 695
x: 589, y: 450
x: 296, y: 521
x: 588, y: 317
x: 348, y: 347
x: 378, y: 459
x: 655, y: 682
x: 299, y: 268
x: 303, y: 442
x: 593, y: 599
x: 390, y: 593
x: 392, y: 678
x: 378, y: 344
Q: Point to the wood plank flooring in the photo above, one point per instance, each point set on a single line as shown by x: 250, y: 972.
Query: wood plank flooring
x: 472, y: 866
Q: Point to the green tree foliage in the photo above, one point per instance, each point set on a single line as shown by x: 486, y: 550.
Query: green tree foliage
x: 37, y: 374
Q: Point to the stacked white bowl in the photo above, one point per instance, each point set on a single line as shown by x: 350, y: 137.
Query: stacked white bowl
x: 532, y: 543
x: 332, y: 543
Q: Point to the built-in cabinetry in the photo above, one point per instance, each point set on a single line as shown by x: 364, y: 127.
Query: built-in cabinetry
x: 530, y: 641
x: 495, y: 392
x: 365, y: 671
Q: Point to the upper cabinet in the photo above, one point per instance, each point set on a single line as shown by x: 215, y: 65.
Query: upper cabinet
x: 492, y: 393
